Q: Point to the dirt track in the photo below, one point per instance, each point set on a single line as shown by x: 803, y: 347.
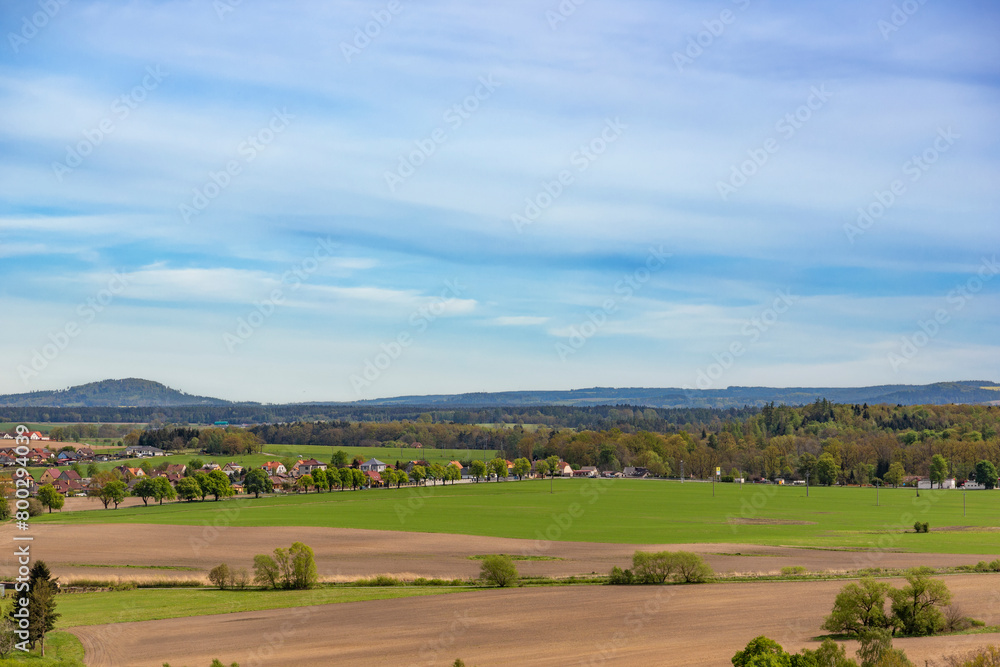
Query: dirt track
x: 589, y: 625
x: 343, y: 553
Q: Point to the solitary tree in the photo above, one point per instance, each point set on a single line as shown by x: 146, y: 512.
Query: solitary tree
x: 48, y: 496
x: 498, y: 570
x: 939, y: 470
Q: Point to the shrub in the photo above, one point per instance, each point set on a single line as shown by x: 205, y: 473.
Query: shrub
x: 691, y: 568
x: 987, y: 656
x: 955, y: 619
x: 380, y: 580
x: 498, y: 570
x: 219, y: 576
x: 620, y: 577
x: 921, y: 527
x: 915, y: 607
x: 239, y: 578
x: 793, y: 570
x: 652, y: 568
x: 34, y: 507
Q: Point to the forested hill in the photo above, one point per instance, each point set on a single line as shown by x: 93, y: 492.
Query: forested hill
x: 930, y: 394
x: 136, y: 393
x: 110, y: 393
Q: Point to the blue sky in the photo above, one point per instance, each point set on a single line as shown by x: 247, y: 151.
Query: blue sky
x: 258, y: 201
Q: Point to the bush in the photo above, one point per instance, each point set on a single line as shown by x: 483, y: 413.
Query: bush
x: 380, y: 580
x: 239, y: 578
x: 683, y: 566
x: 921, y: 527
x: 652, y: 568
x: 498, y: 570
x: 987, y: 656
x: 955, y: 619
x: 793, y: 570
x: 620, y: 577
x: 691, y: 568
x: 34, y: 507
x: 992, y: 566
x: 219, y: 576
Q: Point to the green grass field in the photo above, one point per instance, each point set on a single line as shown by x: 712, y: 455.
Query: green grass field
x: 618, y: 511
x: 153, y: 604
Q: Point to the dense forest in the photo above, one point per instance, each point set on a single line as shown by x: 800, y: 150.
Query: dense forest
x: 776, y: 441
x: 841, y: 443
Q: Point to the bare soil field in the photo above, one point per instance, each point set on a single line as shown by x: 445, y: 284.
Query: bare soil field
x: 579, y: 625
x: 346, y: 554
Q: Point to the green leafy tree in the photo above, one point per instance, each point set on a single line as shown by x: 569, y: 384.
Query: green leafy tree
x: 305, y: 482
x: 986, y: 474
x: 303, y: 572
x: 219, y: 485
x: 194, y: 465
x: 339, y: 459
x: 334, y: 477
x: 49, y: 497
x: 553, y: 462
x: 542, y: 468
x: 219, y: 576
x: 827, y: 469
x: 389, y: 476
x: 522, y: 467
x: 144, y: 488
x: 402, y: 478
x: 319, y: 479
x: 859, y: 606
x: 478, y: 470
x: 690, y: 568
x: 498, y: 467
x: 453, y: 472
x: 437, y: 472
x: 652, y: 568
x: 916, y: 606
x: 829, y: 654
x: 204, y: 484
x: 418, y: 474
x: 257, y: 482
x: 762, y: 652
x: 498, y: 570
x: 895, y: 474
x: 164, y: 490
x: 265, y: 571
x: 189, y: 489
x: 939, y: 470
x: 113, y: 491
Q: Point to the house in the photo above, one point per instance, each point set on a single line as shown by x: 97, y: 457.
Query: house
x: 209, y: 467
x: 66, y: 458
x: 49, y: 476
x: 457, y: 464
x: 130, y: 473
x: 171, y: 477
x: 6, y: 436
x: 636, y: 471
x: 273, y: 468
x: 946, y: 484
x: 232, y: 468
x: 372, y: 465
x: 307, y: 467
x: 411, y: 464
x: 70, y: 476
x: 374, y: 479
x: 176, y: 468
x: 35, y: 435
x: 143, y: 451
x: 564, y: 469
x: 586, y: 471
x: 84, y: 453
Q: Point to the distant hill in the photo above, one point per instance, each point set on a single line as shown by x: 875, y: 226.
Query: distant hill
x: 130, y: 392
x: 928, y: 394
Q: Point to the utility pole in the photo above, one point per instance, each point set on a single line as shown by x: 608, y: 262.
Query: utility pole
x: 876, y: 493
x: 807, y: 484
x: 682, y: 471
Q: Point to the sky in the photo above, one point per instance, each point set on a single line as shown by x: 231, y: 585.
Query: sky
x: 292, y: 201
